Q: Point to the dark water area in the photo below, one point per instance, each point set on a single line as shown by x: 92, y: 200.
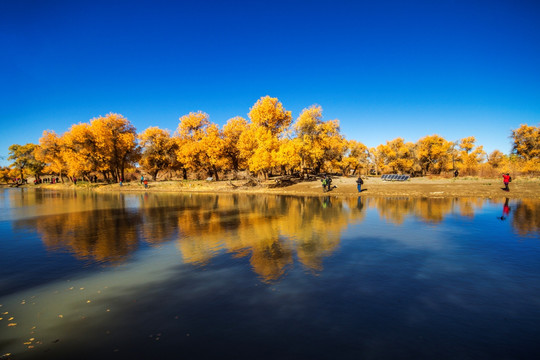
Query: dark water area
x: 190, y: 276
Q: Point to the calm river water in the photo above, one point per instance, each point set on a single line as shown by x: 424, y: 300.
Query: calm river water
x: 175, y: 276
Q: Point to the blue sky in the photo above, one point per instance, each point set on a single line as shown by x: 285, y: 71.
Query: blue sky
x: 385, y: 69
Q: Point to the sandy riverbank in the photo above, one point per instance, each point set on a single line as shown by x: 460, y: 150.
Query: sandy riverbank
x: 346, y: 186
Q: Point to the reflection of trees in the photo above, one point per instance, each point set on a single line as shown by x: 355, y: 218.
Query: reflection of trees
x: 159, y: 217
x: 268, y: 229
x: 272, y: 231
x: 431, y: 210
x: 526, y: 217
x: 103, y: 235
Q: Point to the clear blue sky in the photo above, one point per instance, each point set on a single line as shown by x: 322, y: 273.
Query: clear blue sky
x: 385, y: 69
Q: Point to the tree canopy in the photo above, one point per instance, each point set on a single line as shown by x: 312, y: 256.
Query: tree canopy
x: 267, y: 143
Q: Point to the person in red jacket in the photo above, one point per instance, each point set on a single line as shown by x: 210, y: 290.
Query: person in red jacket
x: 506, y: 180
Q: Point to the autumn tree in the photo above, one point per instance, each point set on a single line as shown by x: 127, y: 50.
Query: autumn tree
x: 307, y: 131
x: 213, y: 151
x: 232, y: 131
x: 269, y: 114
x: 396, y: 156
x: 200, y: 144
x: 288, y: 155
x: 433, y: 154
x: 470, y: 155
x: 526, y: 145
x: 526, y: 142
x: 5, y: 174
x: 359, y: 155
x: 495, y: 159
x: 260, y: 142
x: 24, y: 159
x: 116, y: 141
x: 51, y: 152
x: 158, y: 151
x: 321, y: 141
x: 81, y: 152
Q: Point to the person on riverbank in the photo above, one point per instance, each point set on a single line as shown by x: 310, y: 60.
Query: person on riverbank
x: 145, y: 184
x: 328, y: 183
x: 506, y: 180
x: 142, y: 179
x: 359, y: 183
x: 324, y: 182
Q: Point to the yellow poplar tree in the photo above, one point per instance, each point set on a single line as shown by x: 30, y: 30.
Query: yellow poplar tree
x: 360, y: 153
x: 201, y: 144
x: 116, y: 140
x: 5, y: 174
x: 24, y: 160
x: 159, y: 151
x: 527, y: 147
x: 260, y: 142
x: 288, y: 155
x: 81, y: 152
x: 470, y: 156
x: 397, y: 156
x: 495, y: 159
x: 51, y: 152
x: 321, y: 141
x: 433, y: 154
x: 232, y: 131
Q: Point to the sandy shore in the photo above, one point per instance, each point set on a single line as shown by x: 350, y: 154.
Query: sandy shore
x: 346, y: 186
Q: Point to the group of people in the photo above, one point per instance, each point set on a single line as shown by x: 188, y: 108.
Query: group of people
x: 144, y: 181
x: 327, y: 182
x: 52, y: 180
x: 20, y: 181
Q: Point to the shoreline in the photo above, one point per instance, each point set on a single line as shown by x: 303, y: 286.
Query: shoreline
x: 346, y: 187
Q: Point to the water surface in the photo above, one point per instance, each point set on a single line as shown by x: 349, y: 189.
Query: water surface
x: 114, y: 276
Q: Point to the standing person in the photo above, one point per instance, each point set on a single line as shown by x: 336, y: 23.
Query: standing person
x: 506, y: 179
x: 359, y: 183
x: 145, y: 184
x: 142, y: 179
x: 324, y: 181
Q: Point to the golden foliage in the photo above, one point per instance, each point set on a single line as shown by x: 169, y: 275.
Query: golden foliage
x: 24, y: 159
x: 265, y: 144
x: 433, y: 154
x: 396, y: 156
x: 526, y: 142
x: 51, y: 152
x: 159, y: 151
x: 232, y: 131
x: 200, y: 144
x: 269, y: 113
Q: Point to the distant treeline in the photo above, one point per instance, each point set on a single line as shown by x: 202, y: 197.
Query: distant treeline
x: 268, y: 143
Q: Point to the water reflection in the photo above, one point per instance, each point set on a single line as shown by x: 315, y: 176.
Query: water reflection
x: 395, y: 277
x: 526, y: 218
x: 272, y: 231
